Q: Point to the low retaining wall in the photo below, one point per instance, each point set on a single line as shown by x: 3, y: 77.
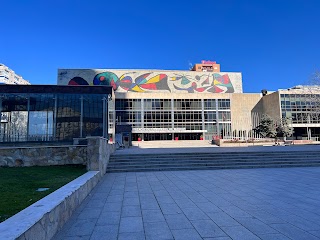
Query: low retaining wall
x: 235, y: 143
x: 95, y: 155
x: 42, y: 156
x: 241, y: 143
x: 295, y: 142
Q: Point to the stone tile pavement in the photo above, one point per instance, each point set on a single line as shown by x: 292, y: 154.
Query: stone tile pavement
x: 207, y: 204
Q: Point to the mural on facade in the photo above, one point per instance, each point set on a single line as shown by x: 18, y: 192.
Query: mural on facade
x: 138, y: 81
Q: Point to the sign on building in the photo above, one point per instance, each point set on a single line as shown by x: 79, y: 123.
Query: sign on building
x: 4, y: 117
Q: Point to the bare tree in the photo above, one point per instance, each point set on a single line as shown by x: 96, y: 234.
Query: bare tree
x: 283, y: 128
x: 312, y: 92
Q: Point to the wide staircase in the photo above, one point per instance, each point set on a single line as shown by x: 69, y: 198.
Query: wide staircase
x: 195, y: 161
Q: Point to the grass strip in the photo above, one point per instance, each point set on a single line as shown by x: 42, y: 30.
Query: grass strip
x: 18, y: 185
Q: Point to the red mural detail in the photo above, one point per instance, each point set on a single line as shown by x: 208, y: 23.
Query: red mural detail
x: 71, y: 82
x: 217, y: 90
x: 77, y: 81
x: 149, y: 86
x: 113, y: 84
x: 226, y: 79
x: 162, y: 76
x: 200, y: 89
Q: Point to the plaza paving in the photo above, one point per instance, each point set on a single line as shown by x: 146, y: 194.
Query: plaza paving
x: 280, y: 203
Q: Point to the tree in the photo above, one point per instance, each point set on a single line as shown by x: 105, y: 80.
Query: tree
x: 271, y: 128
x: 266, y: 127
x: 312, y: 98
x: 283, y: 128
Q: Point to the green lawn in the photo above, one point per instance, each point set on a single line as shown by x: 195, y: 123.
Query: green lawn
x: 18, y: 185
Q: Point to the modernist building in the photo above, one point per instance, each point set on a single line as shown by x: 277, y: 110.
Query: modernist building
x: 167, y: 105
x: 54, y: 113
x: 300, y: 104
x: 8, y: 76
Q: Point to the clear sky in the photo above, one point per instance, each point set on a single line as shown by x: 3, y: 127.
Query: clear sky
x: 274, y: 43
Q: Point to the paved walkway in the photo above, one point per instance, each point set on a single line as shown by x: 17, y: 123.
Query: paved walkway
x: 214, y: 204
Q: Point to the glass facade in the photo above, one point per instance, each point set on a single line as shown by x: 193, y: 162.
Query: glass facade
x: 165, y: 119
x: 43, y: 116
x: 304, y: 112
x: 301, y: 108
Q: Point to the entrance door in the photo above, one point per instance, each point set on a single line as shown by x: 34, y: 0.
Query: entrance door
x: 188, y: 136
x: 157, y: 136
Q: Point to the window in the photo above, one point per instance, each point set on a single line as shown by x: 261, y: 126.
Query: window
x: 223, y: 104
x: 209, y: 104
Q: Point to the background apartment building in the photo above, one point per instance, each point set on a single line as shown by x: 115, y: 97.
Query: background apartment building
x: 8, y: 76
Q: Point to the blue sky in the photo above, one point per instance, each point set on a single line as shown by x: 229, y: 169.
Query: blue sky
x: 274, y: 43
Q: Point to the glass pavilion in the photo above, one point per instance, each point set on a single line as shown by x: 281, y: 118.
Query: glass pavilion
x: 55, y: 113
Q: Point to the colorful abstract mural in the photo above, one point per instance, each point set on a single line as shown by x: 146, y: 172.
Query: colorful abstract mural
x: 166, y: 81
x: 218, y: 84
x: 78, y: 81
x: 106, y: 78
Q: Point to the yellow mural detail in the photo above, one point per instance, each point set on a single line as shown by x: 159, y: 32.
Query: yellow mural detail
x: 215, y: 82
x: 137, y: 89
x: 154, y: 79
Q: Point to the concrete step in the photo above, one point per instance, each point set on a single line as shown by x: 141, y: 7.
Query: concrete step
x: 157, y: 167
x: 130, y: 164
x: 210, y: 160
x: 204, y: 156
x: 212, y: 167
x: 189, y: 161
x: 201, y: 159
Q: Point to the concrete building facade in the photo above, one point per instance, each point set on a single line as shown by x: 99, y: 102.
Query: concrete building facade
x: 300, y: 104
x: 201, y: 104
x: 166, y: 105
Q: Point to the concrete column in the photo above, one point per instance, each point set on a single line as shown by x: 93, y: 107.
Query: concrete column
x: 203, y: 120
x: 142, y: 118
x: 104, y: 118
x: 172, y: 118
x: 217, y: 115
x: 28, y: 121
x: 55, y: 117
x: 81, y: 116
